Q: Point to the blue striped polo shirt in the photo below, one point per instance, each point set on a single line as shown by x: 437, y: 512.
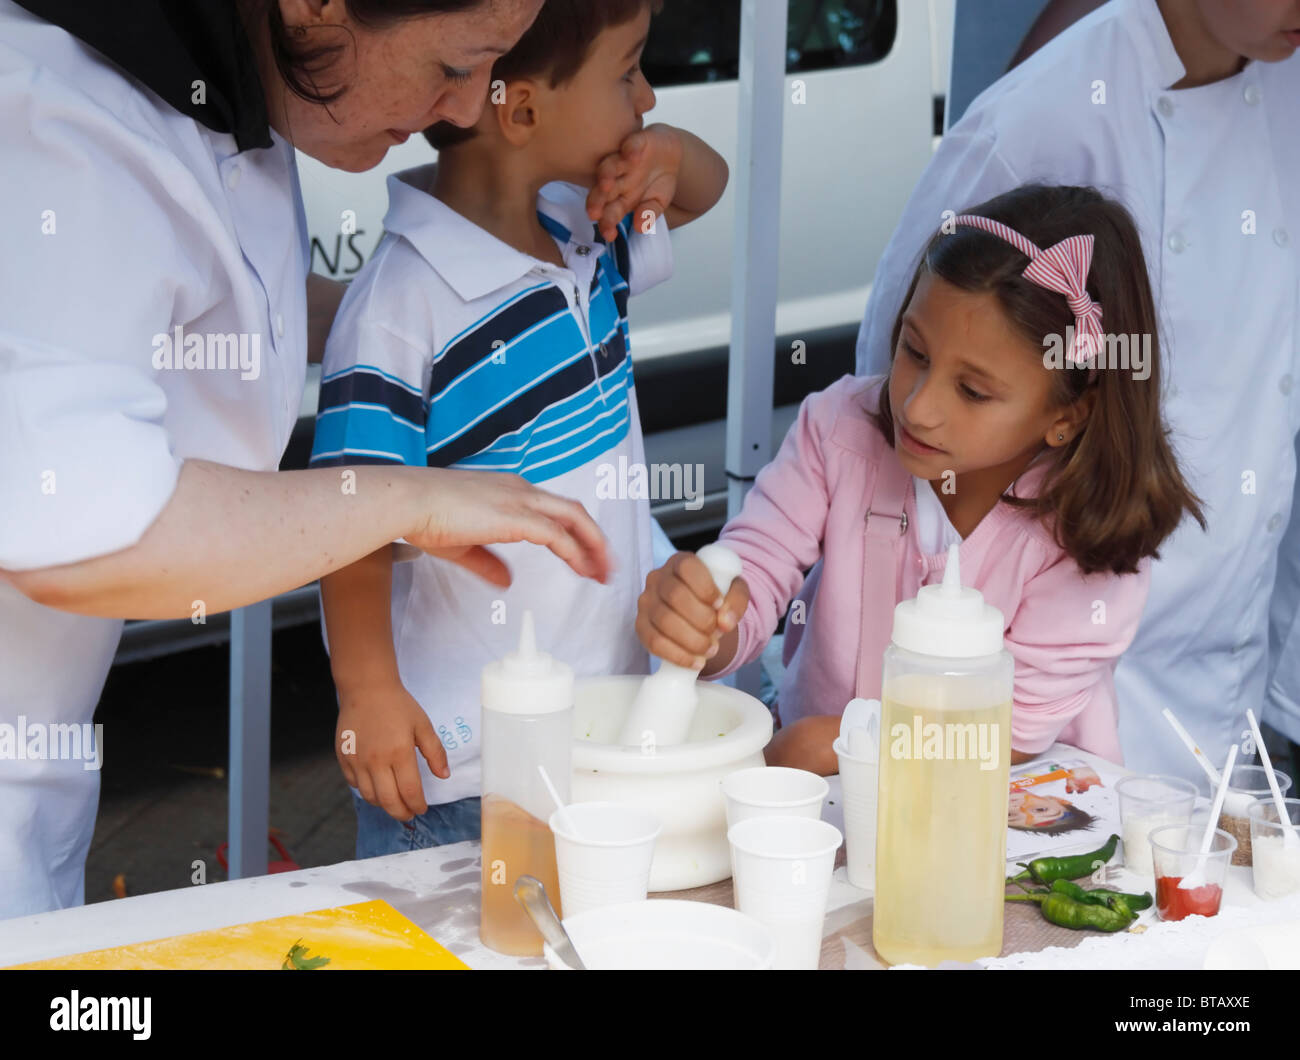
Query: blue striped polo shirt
x: 454, y: 350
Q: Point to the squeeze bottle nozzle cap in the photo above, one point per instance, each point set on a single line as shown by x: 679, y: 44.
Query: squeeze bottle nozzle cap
x: 948, y: 619
x: 527, y: 681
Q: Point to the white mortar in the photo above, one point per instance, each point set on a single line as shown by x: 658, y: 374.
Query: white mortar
x: 681, y: 785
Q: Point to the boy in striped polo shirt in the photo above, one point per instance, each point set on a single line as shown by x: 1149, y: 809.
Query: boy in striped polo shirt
x: 489, y: 333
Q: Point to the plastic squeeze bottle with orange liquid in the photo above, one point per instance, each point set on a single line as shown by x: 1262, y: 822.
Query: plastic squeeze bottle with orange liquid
x: 945, y: 748
x: 527, y: 722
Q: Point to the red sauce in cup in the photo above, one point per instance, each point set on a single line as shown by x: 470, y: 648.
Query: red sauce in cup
x: 1174, y: 902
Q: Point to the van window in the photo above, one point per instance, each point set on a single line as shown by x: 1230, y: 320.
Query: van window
x: 693, y: 42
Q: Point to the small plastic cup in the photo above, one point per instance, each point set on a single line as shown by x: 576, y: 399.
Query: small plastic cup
x: 859, y: 778
x: 1247, y: 785
x: 773, y: 791
x: 1148, y: 802
x: 781, y: 876
x: 1276, y: 863
x: 1176, y: 854
x: 605, y: 859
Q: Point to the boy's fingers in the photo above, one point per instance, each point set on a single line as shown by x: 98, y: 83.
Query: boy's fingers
x: 426, y: 740
x: 486, y: 564
x: 410, y: 792
x: 366, y: 788
x: 386, y: 792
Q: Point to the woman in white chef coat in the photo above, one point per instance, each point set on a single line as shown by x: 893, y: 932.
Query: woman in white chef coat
x: 1184, y: 110
x: 153, y: 343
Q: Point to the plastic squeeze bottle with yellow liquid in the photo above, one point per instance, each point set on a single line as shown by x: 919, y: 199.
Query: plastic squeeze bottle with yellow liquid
x: 527, y: 722
x: 945, y: 747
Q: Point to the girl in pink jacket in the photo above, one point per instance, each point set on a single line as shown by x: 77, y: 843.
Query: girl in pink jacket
x: 1021, y: 419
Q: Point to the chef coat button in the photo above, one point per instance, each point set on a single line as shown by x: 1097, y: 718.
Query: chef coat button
x: 232, y: 177
x: 1166, y: 106
x: 1281, y: 237
x: 1284, y: 384
x: 1273, y: 523
x: 1251, y: 94
x: 1177, y: 243
x: 279, y: 325
x: 583, y: 251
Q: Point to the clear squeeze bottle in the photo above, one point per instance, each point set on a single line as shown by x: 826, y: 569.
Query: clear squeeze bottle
x: 527, y: 722
x: 945, y: 747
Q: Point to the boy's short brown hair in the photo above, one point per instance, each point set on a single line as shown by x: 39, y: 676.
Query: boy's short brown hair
x: 555, y: 46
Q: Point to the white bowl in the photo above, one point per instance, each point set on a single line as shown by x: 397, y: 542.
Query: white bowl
x: 666, y: 934
x: 682, y: 784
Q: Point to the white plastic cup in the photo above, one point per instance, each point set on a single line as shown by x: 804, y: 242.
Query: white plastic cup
x: 773, y: 791
x: 1148, y: 802
x: 604, y: 857
x: 859, y: 781
x: 781, y: 876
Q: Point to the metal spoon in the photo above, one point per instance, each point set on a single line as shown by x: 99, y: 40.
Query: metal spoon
x: 530, y: 893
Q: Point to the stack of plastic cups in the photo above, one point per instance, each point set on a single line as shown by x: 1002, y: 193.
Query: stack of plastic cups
x: 859, y: 777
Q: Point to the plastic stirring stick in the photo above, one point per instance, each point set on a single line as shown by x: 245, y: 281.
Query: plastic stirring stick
x: 1199, y: 755
x: 1196, y: 878
x: 1289, y: 837
x: 565, y: 819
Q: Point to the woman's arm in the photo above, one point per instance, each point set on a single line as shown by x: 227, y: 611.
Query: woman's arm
x: 230, y: 538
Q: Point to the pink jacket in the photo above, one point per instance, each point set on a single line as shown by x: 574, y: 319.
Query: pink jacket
x: 1065, y: 630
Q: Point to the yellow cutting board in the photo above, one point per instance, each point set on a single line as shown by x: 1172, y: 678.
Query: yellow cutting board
x: 369, y: 935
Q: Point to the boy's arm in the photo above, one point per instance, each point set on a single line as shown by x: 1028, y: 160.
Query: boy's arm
x: 380, y: 724
x: 661, y: 171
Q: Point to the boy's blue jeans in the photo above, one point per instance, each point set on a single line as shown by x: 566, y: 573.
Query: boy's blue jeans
x: 379, y: 834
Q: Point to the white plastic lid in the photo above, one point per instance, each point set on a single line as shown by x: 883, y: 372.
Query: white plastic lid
x: 527, y: 681
x: 949, y: 620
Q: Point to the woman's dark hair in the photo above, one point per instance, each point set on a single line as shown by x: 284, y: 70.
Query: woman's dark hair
x: 302, y: 55
x: 555, y: 47
x: 1114, y: 492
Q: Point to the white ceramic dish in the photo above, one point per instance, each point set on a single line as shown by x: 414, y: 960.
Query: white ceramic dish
x: 667, y: 934
x: 682, y: 784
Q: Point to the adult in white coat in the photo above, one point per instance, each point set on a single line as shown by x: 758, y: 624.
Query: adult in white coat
x: 153, y: 342
x: 1184, y: 110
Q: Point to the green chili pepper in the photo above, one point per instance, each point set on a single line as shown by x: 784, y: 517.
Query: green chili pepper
x: 1133, y: 902
x: 1046, y: 870
x: 1064, y: 911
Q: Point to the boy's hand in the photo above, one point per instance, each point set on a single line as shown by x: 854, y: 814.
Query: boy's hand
x: 806, y: 744
x: 388, y: 726
x: 680, y: 616
x: 641, y: 179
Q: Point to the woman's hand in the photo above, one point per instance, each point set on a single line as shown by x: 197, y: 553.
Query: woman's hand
x: 806, y: 744
x: 683, y: 619
x: 469, y: 508
x: 380, y: 728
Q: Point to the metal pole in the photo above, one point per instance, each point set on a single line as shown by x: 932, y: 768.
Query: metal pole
x: 756, y: 254
x: 250, y: 739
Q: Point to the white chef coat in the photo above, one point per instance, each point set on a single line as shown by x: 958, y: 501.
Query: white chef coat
x: 1187, y: 164
x: 154, y: 222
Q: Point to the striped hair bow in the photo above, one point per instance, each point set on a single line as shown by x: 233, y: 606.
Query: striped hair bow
x: 1062, y: 268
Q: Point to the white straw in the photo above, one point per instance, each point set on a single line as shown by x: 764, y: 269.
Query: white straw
x: 1284, y: 819
x: 565, y: 819
x: 1208, y: 838
x: 1199, y: 755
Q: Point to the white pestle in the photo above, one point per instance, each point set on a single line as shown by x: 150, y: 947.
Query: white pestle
x: 665, y: 704
x: 1197, y: 877
x: 1289, y: 837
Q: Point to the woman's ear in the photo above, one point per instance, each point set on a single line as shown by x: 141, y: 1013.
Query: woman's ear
x: 517, y: 113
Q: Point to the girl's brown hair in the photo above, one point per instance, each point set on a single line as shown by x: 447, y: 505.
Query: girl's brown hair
x: 1114, y: 492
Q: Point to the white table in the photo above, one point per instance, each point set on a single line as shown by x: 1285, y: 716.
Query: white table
x: 438, y: 889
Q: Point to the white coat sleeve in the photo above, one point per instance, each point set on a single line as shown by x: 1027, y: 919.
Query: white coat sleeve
x: 967, y: 169
x: 87, y: 280
x: 1282, y: 706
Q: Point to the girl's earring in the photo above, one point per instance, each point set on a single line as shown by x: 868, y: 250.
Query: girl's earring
x: 1060, y: 437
